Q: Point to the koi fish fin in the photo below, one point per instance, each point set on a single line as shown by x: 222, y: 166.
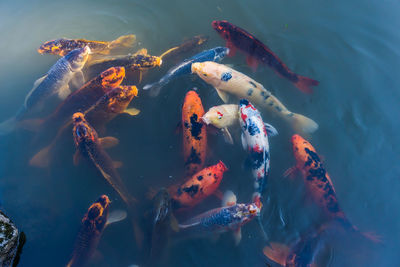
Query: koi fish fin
x: 8, y: 126
x: 117, y: 164
x: 142, y: 51
x: 302, y: 124
x: 227, y: 136
x: 304, y: 84
x: 218, y: 194
x: 155, y: 88
x: 224, y: 96
x: 277, y: 253
x: 132, y: 111
x: 116, y: 216
x: 108, y: 142
x: 252, y: 62
x: 229, y: 199
x: 42, y: 158
x: 174, y: 223
x: 64, y: 91
x: 237, y: 235
x: 32, y: 125
x: 232, y: 49
x: 244, y: 142
x: 291, y: 172
x: 77, y: 158
x: 38, y: 81
x: 270, y: 130
x: 123, y: 41
x: 139, y: 236
x: 78, y: 80
x: 151, y: 193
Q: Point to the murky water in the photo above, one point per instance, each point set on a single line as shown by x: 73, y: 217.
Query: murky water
x: 350, y: 47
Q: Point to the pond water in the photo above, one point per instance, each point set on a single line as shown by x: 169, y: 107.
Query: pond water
x: 351, y: 47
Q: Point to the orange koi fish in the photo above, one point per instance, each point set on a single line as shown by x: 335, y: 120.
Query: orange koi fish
x: 194, y: 133
x: 318, y: 183
x: 63, y: 46
x: 197, y: 188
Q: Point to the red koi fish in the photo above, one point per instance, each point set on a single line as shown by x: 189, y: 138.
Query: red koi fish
x: 257, y: 52
x: 194, y: 133
x: 318, y: 183
x: 197, y: 188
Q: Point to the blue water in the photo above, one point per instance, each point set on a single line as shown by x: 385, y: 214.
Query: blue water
x: 351, y: 47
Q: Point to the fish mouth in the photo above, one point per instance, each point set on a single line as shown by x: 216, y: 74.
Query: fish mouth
x: 78, y: 117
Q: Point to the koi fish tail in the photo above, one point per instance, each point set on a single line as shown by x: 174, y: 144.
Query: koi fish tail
x: 302, y: 124
x: 155, y: 88
x: 137, y: 230
x: 304, y: 84
x: 125, y: 41
x: 42, y: 158
x: 370, y: 236
x: 8, y: 126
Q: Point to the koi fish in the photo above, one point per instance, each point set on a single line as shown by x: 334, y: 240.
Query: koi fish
x: 237, y: 38
x: 186, y: 46
x: 198, y: 187
x: 255, y: 141
x: 194, y: 134
x: 222, y: 117
x: 318, y: 183
x: 135, y: 64
x: 93, y: 224
x: 89, y: 145
x: 229, y: 81
x: 63, y: 46
x: 113, y: 103
x: 163, y: 221
x: 230, y: 217
x: 55, y: 82
x: 215, y: 54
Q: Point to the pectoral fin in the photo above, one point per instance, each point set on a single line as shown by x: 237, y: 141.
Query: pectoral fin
x: 109, y: 141
x: 174, y: 223
x: 229, y: 199
x: 291, y: 172
x: 132, y: 111
x: 244, y: 142
x: 78, y: 79
x: 142, y: 52
x: 116, y: 216
x: 117, y: 164
x: 64, y: 91
x: 227, y: 136
x: 77, y: 158
x: 237, y: 235
x: 271, y: 130
x: 224, y: 96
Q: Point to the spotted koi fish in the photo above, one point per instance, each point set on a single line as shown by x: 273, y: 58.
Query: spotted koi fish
x: 194, y: 133
x: 93, y: 224
x: 110, y: 105
x: 198, y: 187
x: 54, y: 83
x: 229, y: 81
x: 318, y: 183
x: 230, y: 217
x: 237, y: 38
x: 134, y: 64
x: 89, y: 145
x: 255, y: 141
x: 222, y: 117
x: 214, y: 54
x: 63, y: 46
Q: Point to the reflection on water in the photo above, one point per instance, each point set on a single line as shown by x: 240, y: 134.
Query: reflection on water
x: 350, y: 47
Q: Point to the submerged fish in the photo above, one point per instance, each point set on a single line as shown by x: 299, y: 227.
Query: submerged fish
x: 237, y: 38
x: 215, y: 54
x: 318, y: 183
x: 255, y: 141
x: 198, y: 187
x: 194, y: 133
x: 90, y: 146
x: 55, y: 82
x: 134, y: 64
x: 93, y: 224
x: 63, y: 46
x: 229, y: 81
x: 186, y: 46
x: 222, y: 117
x: 110, y: 105
x: 230, y: 217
